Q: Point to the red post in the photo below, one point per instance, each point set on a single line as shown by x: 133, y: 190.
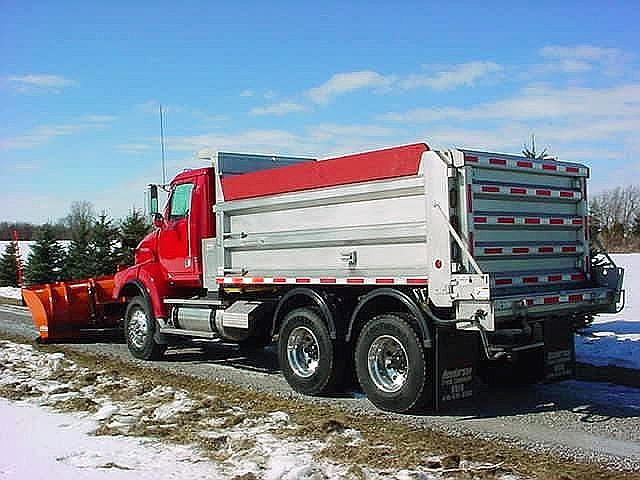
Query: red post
x: 18, y: 258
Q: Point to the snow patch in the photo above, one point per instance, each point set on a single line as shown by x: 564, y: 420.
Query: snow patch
x: 41, y: 444
x: 11, y: 292
x: 97, y: 441
x: 614, y: 339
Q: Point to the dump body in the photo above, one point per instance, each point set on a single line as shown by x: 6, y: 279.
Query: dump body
x: 523, y: 222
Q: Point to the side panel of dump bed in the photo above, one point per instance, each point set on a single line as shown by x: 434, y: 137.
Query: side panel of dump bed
x: 358, y: 219
x: 526, y: 224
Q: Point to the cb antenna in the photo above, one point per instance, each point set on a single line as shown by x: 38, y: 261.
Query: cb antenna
x: 164, y: 172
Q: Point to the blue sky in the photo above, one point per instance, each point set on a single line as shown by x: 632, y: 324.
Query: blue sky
x: 80, y: 85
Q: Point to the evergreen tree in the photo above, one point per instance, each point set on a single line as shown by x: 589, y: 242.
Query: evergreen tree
x: 531, y: 152
x: 132, y: 229
x: 46, y: 261
x: 103, y: 246
x: 635, y: 229
x: 9, y: 266
x: 79, y: 262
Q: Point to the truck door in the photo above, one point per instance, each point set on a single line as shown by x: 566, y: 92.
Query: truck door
x: 174, y: 243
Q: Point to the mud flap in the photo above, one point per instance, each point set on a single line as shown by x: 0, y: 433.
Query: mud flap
x: 559, y: 350
x: 456, y: 367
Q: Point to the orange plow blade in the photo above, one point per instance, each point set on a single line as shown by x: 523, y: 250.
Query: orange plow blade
x: 66, y: 310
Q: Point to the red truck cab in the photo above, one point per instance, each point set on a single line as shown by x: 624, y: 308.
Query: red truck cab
x: 169, y: 257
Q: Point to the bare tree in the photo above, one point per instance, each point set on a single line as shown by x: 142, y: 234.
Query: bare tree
x: 81, y: 217
x: 614, y: 215
x: 618, y: 205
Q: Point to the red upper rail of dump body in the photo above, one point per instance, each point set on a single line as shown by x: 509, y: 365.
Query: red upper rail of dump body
x: 361, y: 167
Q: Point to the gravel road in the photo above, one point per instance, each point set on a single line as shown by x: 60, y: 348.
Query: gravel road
x: 585, y: 421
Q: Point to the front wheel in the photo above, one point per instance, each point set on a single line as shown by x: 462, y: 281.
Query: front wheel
x: 391, y: 364
x: 309, y: 359
x: 139, y: 330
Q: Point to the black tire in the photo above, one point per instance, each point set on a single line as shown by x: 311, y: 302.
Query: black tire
x: 405, y: 386
x: 139, y: 330
x: 327, y: 375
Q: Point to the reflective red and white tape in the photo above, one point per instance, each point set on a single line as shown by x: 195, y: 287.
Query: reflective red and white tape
x: 322, y: 280
x: 528, y: 250
x: 574, y: 222
x: 518, y: 280
x: 523, y: 164
x: 521, y: 191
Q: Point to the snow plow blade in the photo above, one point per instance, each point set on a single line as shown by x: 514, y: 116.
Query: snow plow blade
x: 71, y: 310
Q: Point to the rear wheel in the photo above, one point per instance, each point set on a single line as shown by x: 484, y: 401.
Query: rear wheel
x: 139, y: 330
x: 308, y: 357
x: 391, y: 364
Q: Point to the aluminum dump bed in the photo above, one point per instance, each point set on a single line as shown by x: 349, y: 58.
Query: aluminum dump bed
x: 490, y: 236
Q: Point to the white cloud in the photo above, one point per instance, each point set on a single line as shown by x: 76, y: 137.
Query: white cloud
x: 332, y: 132
x: 342, y: 83
x: 323, y: 140
x: 246, y: 93
x: 38, y: 136
x: 565, y: 65
x: 570, y: 141
x: 576, y: 59
x: 45, y: 133
x: 538, y: 103
x: 255, y: 140
x: 584, y: 52
x: 35, y: 83
x: 134, y: 148
x: 281, y: 108
x: 464, y: 74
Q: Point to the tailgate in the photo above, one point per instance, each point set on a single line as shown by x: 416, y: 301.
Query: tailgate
x: 526, y: 223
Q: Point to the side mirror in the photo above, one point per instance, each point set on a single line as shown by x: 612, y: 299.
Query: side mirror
x: 158, y: 220
x: 152, y: 200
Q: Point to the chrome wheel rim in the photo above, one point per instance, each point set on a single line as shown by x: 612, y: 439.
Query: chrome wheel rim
x: 137, y: 327
x: 303, y: 352
x: 388, y: 363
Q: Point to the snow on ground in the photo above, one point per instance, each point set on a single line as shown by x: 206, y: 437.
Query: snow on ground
x: 10, y: 292
x: 113, y: 424
x: 50, y: 380
x: 24, y: 245
x: 43, y: 444
x: 614, y: 339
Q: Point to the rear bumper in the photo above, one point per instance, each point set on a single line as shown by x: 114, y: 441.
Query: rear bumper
x: 582, y: 301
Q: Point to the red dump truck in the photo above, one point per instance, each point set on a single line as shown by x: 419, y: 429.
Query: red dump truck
x: 420, y: 271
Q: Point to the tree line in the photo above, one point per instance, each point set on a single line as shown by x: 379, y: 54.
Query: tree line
x: 30, y: 231
x: 98, y: 244
x: 615, y: 218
